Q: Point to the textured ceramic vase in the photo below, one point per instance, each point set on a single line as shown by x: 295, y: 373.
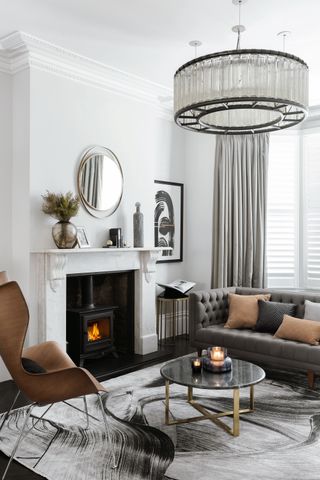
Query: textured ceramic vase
x: 64, y: 234
x: 138, y: 227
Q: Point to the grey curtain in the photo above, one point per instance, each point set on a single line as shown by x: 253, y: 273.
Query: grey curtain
x: 239, y: 210
x: 92, y: 180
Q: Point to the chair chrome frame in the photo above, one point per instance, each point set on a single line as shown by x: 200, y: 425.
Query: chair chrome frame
x: 29, y: 409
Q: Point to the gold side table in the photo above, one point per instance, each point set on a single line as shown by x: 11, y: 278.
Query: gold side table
x: 172, y: 317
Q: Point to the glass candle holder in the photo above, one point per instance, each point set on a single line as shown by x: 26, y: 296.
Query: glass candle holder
x: 196, y: 365
x: 217, y: 355
x: 217, y: 360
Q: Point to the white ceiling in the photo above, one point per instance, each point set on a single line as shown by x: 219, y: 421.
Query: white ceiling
x: 150, y: 37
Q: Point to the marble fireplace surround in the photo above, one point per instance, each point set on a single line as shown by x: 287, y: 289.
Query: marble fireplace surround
x: 49, y: 270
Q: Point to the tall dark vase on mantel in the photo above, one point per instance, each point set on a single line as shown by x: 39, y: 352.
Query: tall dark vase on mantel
x: 138, y: 227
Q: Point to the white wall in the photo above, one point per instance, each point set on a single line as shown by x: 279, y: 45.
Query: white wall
x: 172, y: 170
x: 66, y: 118
x: 5, y: 182
x: 21, y: 180
x: 199, y: 160
x: 54, y: 119
x: 5, y: 171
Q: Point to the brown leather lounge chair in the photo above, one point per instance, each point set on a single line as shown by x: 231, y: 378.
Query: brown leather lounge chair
x: 60, y: 379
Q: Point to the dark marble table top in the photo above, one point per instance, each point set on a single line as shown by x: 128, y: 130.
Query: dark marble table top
x: 242, y: 374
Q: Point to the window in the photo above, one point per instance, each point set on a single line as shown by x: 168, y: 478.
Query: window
x: 282, y: 211
x: 311, y: 209
x: 293, y: 211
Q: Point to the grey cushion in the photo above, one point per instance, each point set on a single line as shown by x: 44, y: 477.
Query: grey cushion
x: 271, y: 315
x: 312, y: 310
x: 286, y: 296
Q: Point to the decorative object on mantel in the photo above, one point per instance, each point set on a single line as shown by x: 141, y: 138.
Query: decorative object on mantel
x: 108, y: 244
x: 168, y: 220
x: 100, y: 181
x: 82, y: 238
x: 241, y: 91
x: 217, y: 360
x: 62, y: 207
x: 138, y: 240
x: 116, y: 237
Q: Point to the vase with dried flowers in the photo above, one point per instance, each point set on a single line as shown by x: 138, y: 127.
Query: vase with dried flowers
x: 62, y: 207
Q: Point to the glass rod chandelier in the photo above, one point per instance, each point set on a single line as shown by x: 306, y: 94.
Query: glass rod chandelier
x: 241, y: 91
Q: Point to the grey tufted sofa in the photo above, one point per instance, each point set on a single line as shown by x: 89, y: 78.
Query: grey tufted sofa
x: 209, y: 312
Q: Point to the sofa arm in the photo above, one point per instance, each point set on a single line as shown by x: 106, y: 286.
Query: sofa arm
x: 208, y: 308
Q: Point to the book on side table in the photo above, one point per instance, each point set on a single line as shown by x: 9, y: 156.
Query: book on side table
x: 176, y: 289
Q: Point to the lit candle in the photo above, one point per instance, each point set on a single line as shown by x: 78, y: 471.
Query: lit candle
x: 217, y: 356
x: 196, y: 365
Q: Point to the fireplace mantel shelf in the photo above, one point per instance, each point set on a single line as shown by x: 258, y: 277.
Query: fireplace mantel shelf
x: 72, y: 251
x: 60, y: 262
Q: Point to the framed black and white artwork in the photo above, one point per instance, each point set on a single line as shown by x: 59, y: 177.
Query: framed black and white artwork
x: 168, y: 220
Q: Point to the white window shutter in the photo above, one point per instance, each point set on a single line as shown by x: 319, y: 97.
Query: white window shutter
x: 282, y: 211
x: 311, y: 210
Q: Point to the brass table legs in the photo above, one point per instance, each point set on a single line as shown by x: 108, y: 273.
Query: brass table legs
x: 207, y: 415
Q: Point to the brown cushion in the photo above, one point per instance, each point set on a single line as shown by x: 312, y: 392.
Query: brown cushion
x: 306, y: 331
x: 244, y: 310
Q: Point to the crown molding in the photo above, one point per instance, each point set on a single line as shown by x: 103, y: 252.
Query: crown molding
x: 20, y: 51
x: 314, y: 112
x: 313, y: 119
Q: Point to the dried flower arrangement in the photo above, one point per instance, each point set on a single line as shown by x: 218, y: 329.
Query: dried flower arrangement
x: 60, y: 206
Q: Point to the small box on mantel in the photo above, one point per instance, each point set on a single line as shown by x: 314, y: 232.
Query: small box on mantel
x: 115, y: 236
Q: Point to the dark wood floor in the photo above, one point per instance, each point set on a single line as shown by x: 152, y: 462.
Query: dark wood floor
x: 171, y: 349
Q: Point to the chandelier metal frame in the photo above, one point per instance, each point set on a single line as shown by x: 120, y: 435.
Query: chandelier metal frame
x: 202, y: 114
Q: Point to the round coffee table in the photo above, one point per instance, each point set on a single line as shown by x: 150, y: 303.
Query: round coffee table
x: 243, y: 374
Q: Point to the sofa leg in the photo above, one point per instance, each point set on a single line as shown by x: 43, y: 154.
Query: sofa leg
x: 311, y: 378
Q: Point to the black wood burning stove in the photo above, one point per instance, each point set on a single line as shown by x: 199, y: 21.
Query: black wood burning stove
x: 90, y: 333
x: 90, y: 328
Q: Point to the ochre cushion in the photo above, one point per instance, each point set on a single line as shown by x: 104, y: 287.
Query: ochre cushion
x: 244, y: 310
x: 306, y: 331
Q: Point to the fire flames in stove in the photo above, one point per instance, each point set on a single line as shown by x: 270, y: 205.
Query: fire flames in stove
x: 94, y: 333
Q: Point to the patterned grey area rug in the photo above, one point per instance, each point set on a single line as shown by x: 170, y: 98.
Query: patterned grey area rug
x: 279, y: 441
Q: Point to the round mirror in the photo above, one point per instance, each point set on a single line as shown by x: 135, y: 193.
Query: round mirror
x: 100, y: 181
